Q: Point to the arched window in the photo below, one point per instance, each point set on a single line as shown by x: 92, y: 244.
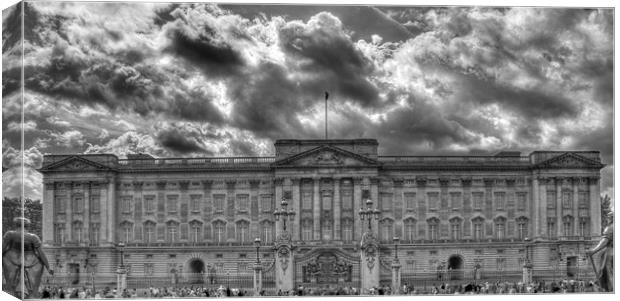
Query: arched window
x: 567, y: 225
x: 522, y: 229
x: 433, y: 228
x: 500, y: 228
x: 195, y: 232
x: 455, y: 228
x: 78, y: 228
x: 478, y: 227
x: 267, y: 232
x: 172, y: 231
x: 126, y: 231
x: 409, y: 224
x: 386, y: 228
x: 149, y: 232
x: 219, y: 232
x: 242, y: 232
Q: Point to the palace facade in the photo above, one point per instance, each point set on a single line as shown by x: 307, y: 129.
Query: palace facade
x: 195, y: 219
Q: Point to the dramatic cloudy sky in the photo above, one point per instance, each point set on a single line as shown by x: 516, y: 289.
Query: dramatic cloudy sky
x: 204, y: 80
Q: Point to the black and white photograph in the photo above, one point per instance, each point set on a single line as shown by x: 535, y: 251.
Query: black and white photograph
x: 205, y: 150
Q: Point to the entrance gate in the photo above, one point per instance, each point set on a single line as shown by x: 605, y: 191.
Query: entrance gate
x: 327, y: 269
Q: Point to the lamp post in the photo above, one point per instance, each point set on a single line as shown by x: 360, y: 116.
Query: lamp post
x: 527, y: 265
x: 283, y: 213
x: 258, y: 277
x: 121, y: 273
x: 396, y: 268
x: 368, y: 214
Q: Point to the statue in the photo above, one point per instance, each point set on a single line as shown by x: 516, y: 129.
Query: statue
x: 605, y: 247
x: 34, y: 261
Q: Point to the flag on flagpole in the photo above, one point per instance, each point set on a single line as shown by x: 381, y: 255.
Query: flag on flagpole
x: 326, y: 95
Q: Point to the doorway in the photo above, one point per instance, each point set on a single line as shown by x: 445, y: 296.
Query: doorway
x: 455, y: 267
x: 196, y: 270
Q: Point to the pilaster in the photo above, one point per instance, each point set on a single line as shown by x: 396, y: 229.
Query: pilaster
x: 296, y: 205
x: 316, y: 212
x: 48, y: 213
x: 337, y: 207
x: 357, y: 205
x: 595, y: 205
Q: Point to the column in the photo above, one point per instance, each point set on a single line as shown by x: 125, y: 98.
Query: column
x: 278, y: 198
x: 296, y: 205
x: 558, y: 206
x: 542, y: 194
x: 86, y: 229
x: 337, y: 207
x: 69, y: 213
x: 357, y: 205
x: 595, y: 207
x: 575, y: 205
x: 396, y: 277
x: 535, y: 209
x: 316, y: 212
x: 48, y: 213
x: 110, y: 208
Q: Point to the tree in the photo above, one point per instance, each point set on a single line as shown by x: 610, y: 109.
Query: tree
x: 605, y: 209
x: 11, y: 208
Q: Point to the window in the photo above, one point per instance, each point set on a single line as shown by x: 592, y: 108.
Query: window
x: 78, y: 204
x: 59, y: 233
x: 77, y: 232
x: 583, y: 199
x: 500, y: 200
x: 386, y: 201
x: 126, y: 230
x: 149, y: 232
x: 478, y: 224
x: 410, y: 201
x: 501, y: 263
x: 500, y: 228
x: 194, y: 203
x: 219, y: 232
x: 265, y: 203
x: 584, y: 226
x: 347, y: 195
x: 409, y: 230
x: 306, y: 195
x: 567, y: 225
x: 433, y: 231
x: 149, y: 269
x: 551, y: 199
x: 243, y: 202
x: 306, y: 230
x: 218, y: 202
x: 59, y: 204
x: 455, y: 200
x: 149, y: 203
x: 567, y: 199
x: 195, y: 231
x: 94, y: 204
x: 433, y: 198
x: 521, y: 201
x: 477, y: 197
x: 455, y: 228
x: 267, y: 232
x: 172, y: 231
x: 347, y: 230
x: 387, y: 230
x: 94, y: 234
x: 242, y: 232
x: 551, y: 229
x: 242, y: 266
x: 522, y: 228
x: 326, y: 230
x: 172, y: 204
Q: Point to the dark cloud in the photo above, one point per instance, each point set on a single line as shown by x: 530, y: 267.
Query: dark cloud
x: 176, y: 141
x: 325, y: 51
x: 213, y: 57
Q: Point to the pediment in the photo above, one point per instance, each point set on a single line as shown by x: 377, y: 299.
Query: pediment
x: 570, y: 160
x: 326, y: 156
x: 75, y: 163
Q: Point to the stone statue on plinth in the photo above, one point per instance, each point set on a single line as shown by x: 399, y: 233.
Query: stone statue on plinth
x: 604, y: 270
x: 33, y: 264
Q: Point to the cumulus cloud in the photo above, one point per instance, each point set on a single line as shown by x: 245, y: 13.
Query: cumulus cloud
x: 208, y: 80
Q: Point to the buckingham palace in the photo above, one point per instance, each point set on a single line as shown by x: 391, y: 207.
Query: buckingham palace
x: 320, y: 212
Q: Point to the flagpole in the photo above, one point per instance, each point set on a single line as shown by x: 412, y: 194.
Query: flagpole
x: 326, y: 96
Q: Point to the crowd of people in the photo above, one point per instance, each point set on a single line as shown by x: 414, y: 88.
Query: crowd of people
x: 485, y: 287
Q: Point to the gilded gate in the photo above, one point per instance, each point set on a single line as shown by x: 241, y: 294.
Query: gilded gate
x: 327, y: 267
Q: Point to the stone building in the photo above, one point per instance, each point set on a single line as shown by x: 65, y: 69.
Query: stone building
x: 195, y: 219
